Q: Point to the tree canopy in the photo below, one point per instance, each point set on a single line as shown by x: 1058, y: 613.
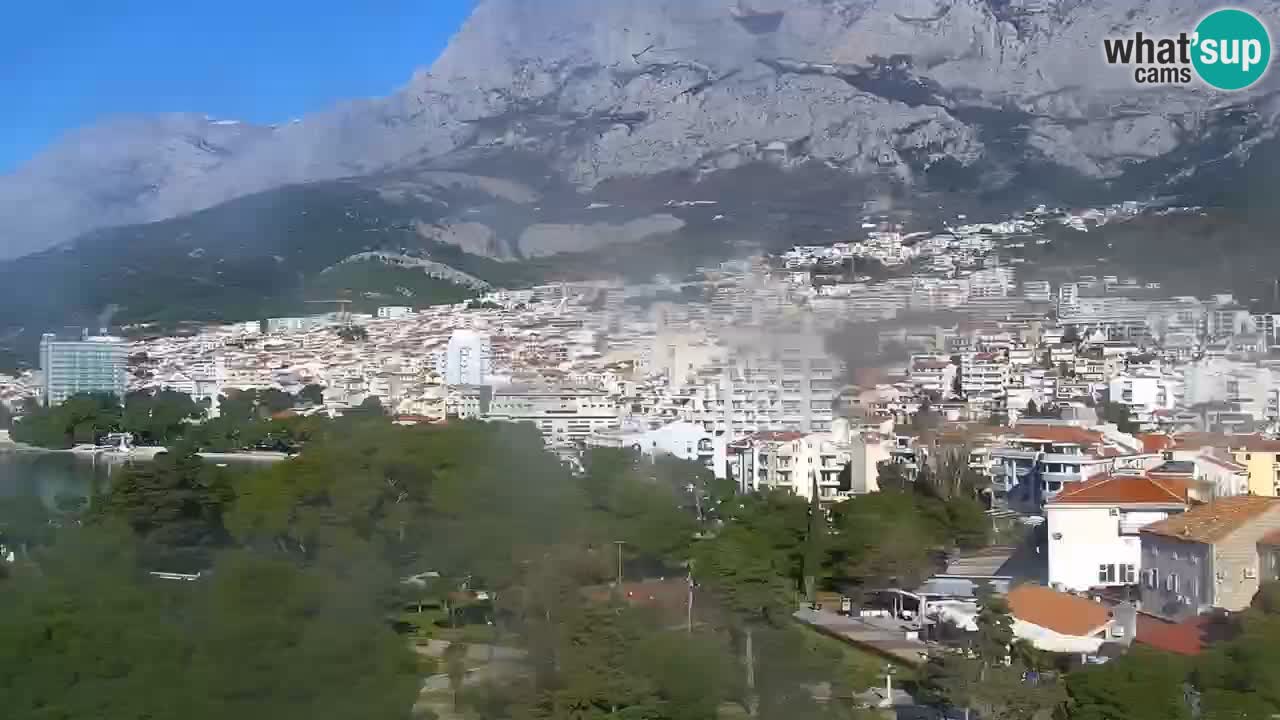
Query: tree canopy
x: 88, y: 635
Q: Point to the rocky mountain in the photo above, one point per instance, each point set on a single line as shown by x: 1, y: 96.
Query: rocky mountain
x: 641, y: 98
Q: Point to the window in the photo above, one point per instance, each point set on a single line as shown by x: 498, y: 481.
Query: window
x: 1171, y: 583
x: 1128, y: 574
x: 1153, y: 578
x: 1106, y: 573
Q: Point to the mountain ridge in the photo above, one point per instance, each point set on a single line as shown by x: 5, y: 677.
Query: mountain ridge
x: 617, y: 90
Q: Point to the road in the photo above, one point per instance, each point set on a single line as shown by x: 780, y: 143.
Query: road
x: 879, y: 637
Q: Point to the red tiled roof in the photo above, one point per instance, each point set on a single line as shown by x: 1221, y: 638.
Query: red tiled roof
x: 1155, y: 442
x: 1058, y: 433
x: 1185, y: 638
x: 1125, y: 490
x: 1214, y: 521
x: 1059, y: 612
x: 1254, y: 443
x: 1247, y: 443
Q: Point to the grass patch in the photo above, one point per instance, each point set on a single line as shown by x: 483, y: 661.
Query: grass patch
x: 856, y: 659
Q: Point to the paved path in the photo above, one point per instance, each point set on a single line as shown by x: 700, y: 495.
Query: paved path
x: 879, y: 637
x: 476, y: 652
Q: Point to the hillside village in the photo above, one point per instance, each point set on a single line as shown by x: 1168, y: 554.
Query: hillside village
x: 1132, y: 436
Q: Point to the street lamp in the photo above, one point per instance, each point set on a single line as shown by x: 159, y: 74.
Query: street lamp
x: 889, y: 670
x: 619, y: 543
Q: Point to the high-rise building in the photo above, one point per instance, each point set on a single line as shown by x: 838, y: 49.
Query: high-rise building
x: 466, y: 359
x: 97, y: 364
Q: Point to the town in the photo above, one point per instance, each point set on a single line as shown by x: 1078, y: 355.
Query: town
x: 1124, y: 441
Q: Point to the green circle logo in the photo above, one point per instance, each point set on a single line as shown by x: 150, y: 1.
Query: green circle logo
x: 1232, y: 49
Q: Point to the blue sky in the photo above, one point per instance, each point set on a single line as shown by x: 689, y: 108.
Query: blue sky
x: 66, y: 63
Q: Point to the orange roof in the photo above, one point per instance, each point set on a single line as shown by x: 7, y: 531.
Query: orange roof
x: 1155, y: 442
x: 1197, y: 440
x: 1247, y: 443
x: 1059, y: 612
x: 1214, y: 521
x: 1271, y: 538
x: 1059, y: 433
x: 1185, y: 638
x: 1125, y: 490
x: 1254, y: 443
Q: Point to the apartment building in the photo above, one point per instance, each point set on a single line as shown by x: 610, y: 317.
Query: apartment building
x: 465, y: 359
x: 1145, y: 394
x: 468, y: 402
x: 1093, y: 528
x: 393, y: 312
x: 564, y: 415
x: 1257, y: 455
x: 1207, y: 557
x: 1261, y: 458
x: 1038, y: 460
x: 932, y: 374
x: 792, y: 462
x: 685, y: 440
x: 87, y: 364
x: 777, y: 383
x: 983, y: 378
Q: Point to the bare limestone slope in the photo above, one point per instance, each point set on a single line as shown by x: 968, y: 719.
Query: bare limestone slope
x: 619, y: 89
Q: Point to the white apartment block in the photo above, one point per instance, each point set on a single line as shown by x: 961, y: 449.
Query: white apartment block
x: 564, y: 415
x: 791, y: 462
x: 394, y: 312
x: 466, y: 359
x: 983, y: 378
x: 685, y: 440
x: 1094, y: 529
x: 1145, y: 394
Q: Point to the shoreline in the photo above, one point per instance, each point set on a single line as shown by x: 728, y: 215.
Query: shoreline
x: 9, y: 447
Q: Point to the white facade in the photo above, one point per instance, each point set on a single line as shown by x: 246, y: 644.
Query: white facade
x: 394, y: 312
x: 1144, y: 394
x: 97, y: 364
x: 563, y: 415
x: 866, y: 451
x: 1093, y: 533
x: 1087, y: 548
x: 795, y: 462
x: 465, y: 360
x: 1246, y: 385
x: 685, y: 440
x: 468, y: 402
x: 984, y: 377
